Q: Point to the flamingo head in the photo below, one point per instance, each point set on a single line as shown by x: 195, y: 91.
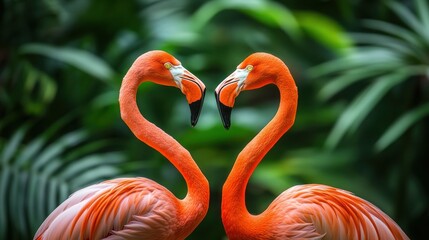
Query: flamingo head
x: 256, y: 71
x: 165, y: 69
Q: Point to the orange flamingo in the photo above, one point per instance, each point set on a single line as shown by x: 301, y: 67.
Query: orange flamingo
x: 139, y: 208
x: 302, y: 212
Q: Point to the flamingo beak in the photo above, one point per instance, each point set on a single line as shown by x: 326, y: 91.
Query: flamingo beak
x: 227, y: 91
x: 224, y: 111
x: 196, y: 107
x: 193, y: 88
x: 195, y: 91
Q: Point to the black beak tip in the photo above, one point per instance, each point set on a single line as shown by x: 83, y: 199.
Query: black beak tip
x: 225, y: 113
x: 196, y: 109
x: 194, y: 122
x: 195, y: 112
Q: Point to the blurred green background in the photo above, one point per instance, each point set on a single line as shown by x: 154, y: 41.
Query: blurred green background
x: 362, y: 68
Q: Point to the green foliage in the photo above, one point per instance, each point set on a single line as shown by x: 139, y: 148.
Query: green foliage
x: 60, y: 58
x: 388, y: 57
x: 80, y: 59
x: 359, y: 109
x: 398, y: 128
x: 384, y: 80
x: 326, y: 31
x: 275, y: 15
x: 38, y: 174
x: 266, y: 12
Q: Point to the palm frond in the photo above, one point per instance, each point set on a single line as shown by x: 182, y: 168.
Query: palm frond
x: 80, y: 59
x: 401, y: 126
x: 357, y: 58
x: 410, y: 19
x: 423, y: 10
x: 37, y: 175
x: 387, y: 57
x: 356, y: 112
x: 264, y: 11
x: 393, y: 30
x: 341, y: 82
x: 383, y: 41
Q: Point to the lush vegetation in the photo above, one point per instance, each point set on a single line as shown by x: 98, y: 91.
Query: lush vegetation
x: 362, y: 68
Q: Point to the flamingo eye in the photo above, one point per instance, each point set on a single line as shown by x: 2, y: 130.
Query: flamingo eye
x: 249, y: 68
x: 168, y: 65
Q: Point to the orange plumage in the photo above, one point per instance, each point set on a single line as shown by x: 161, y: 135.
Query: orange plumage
x: 139, y: 208
x: 302, y: 212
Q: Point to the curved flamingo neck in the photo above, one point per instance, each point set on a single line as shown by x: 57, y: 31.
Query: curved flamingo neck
x: 237, y: 220
x: 195, y: 204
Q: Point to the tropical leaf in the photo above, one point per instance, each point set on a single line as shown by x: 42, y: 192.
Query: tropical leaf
x: 394, y: 30
x: 38, y: 91
x: 4, y: 183
x: 83, y: 60
x: 356, y: 112
x: 349, y: 77
x: 12, y: 146
x: 410, y: 19
x: 423, y: 10
x: 37, y: 175
x: 267, y: 12
x: 392, y: 55
x: 326, y: 31
x: 357, y: 58
x: 384, y: 41
x: 401, y: 125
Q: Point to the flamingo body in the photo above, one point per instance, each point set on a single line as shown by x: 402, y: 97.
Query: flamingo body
x: 314, y: 211
x: 124, y: 208
x: 139, y: 208
x: 309, y: 211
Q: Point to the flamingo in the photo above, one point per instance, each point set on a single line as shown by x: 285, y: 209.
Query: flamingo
x: 310, y: 211
x: 139, y: 208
